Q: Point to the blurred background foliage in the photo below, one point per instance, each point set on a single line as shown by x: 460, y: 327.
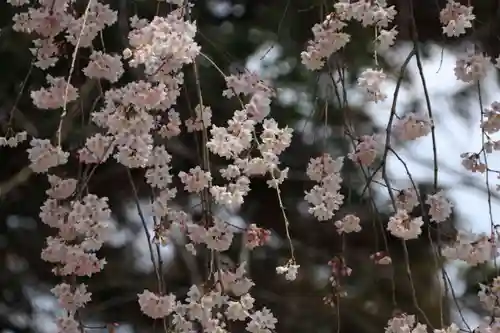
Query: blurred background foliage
x: 234, y: 34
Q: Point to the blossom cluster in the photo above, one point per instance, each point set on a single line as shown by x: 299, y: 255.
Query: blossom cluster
x: 329, y: 37
x: 350, y: 223
x: 48, y: 19
x: 455, y: 18
x: 407, y: 199
x: 229, y: 299
x: 408, y: 323
x: 43, y: 155
x: 471, y: 248
x: 83, y: 226
x: 367, y: 149
x: 325, y: 199
x: 13, y: 140
x: 403, y: 226
x: 471, y: 67
x: 233, y: 141
x: 412, y: 126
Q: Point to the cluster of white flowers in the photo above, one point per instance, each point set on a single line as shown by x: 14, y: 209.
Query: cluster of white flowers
x: 231, y: 195
x: 246, y: 84
x: 18, y: 3
x: 97, y: 149
x: 403, y: 226
x: 67, y: 324
x: 196, y: 180
x: 164, y: 45
x: 385, y: 39
x: 218, y: 237
x: 471, y: 248
x: 491, y: 121
x: 71, y: 298
x: 473, y: 163
x: 405, y: 323
x: 158, y: 176
x: 489, y: 296
x: 202, y: 119
x: 230, y: 299
x: 170, y: 220
x: 274, y: 140
x: 43, y: 20
x: 13, y: 140
x: 83, y: 30
x: 370, y: 81
x: 86, y: 221
x: 407, y: 199
x: 455, y: 18
x: 256, y: 236
x: 43, y: 155
x: 412, y: 126
x: 367, y: 149
x: 59, y: 93
x: 381, y: 258
x: 325, y: 197
x: 249, y: 84
x: 349, y: 223
x: 50, y: 18
x: 440, y: 207
x: 236, y: 283
x: 172, y: 127
x: 369, y: 13
x: 104, y: 66
x: 239, y: 310
x: 328, y: 39
x: 60, y: 189
x: 290, y: 270
x: 232, y: 141
x: 260, y: 92
x: 156, y: 306
x: 127, y: 117
x: 46, y: 53
x: 490, y: 125
x: 83, y: 227
x: 491, y: 145
x: 472, y: 67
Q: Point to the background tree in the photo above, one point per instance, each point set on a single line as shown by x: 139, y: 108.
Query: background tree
x: 231, y: 33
